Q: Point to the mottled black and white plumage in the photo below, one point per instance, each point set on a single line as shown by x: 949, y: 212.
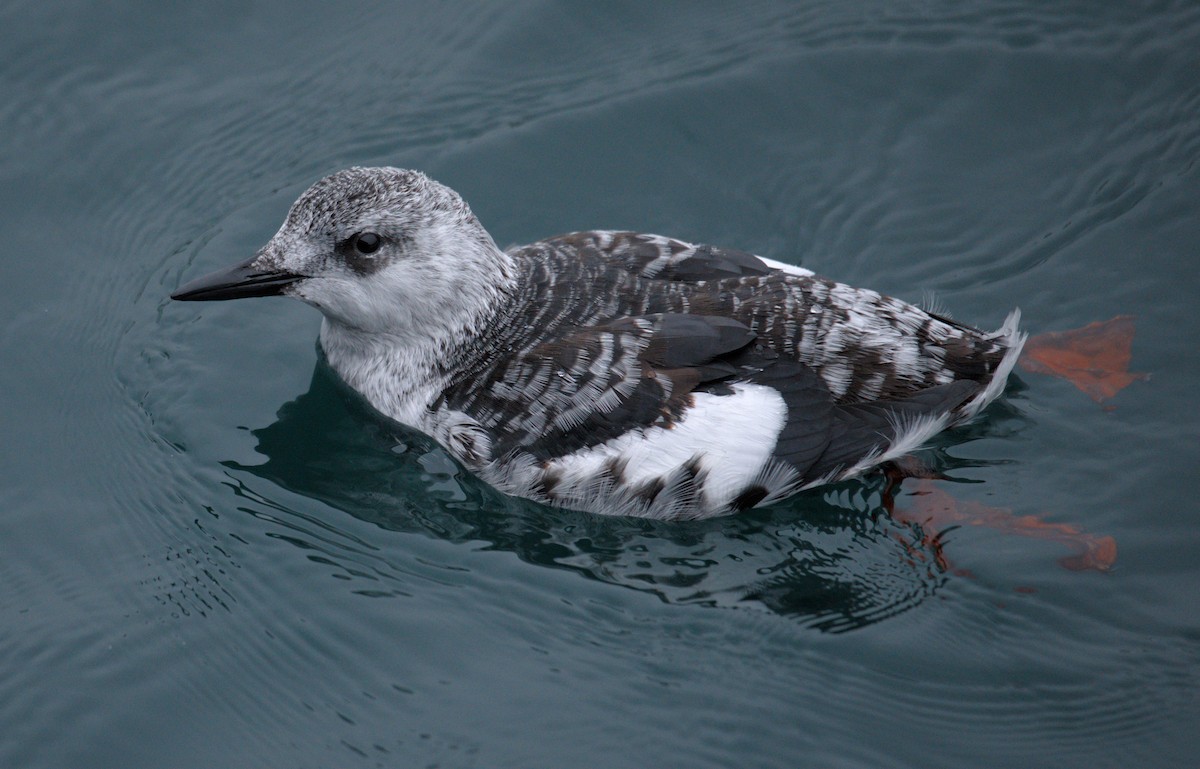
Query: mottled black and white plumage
x: 614, y: 372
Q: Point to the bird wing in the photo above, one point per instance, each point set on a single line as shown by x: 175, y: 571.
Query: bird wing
x: 591, y: 384
x: 825, y: 440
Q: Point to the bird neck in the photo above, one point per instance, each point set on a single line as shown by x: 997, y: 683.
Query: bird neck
x: 402, y: 371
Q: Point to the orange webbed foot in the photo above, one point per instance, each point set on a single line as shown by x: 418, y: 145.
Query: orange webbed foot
x: 935, y: 510
x: 1094, y: 358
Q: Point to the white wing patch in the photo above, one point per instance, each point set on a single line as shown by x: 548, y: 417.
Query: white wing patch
x: 730, y: 436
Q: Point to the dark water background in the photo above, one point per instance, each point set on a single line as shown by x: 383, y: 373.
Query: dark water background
x: 211, y: 556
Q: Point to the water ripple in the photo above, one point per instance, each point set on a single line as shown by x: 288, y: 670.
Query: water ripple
x: 274, y: 595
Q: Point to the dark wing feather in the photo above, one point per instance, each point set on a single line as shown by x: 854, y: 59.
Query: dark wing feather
x: 861, y: 429
x: 822, y: 437
x: 693, y: 340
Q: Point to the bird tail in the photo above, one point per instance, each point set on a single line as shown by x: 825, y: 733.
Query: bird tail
x: 1011, y: 339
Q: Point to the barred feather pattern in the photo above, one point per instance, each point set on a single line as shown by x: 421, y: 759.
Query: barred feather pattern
x: 567, y: 349
x: 864, y: 345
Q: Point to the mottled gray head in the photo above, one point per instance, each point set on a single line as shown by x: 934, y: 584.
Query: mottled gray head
x: 379, y: 250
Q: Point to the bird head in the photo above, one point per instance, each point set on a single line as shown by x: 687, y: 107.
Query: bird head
x: 376, y: 250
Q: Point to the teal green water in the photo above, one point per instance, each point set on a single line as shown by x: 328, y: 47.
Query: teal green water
x: 212, y: 556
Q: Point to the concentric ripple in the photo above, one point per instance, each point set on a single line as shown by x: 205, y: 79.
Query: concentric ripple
x: 215, y: 556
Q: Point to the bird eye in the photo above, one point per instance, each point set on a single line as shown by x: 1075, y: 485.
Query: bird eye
x: 367, y: 242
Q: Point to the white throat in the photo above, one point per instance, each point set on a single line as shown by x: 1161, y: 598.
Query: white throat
x: 402, y: 366
x: 400, y: 375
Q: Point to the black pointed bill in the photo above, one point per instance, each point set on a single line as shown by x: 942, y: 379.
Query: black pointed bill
x: 240, y: 281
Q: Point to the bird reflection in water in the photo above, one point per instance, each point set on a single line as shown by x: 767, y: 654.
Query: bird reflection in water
x: 837, y: 559
x: 833, y: 560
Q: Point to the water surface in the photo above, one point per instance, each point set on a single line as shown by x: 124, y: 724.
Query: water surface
x: 212, y: 555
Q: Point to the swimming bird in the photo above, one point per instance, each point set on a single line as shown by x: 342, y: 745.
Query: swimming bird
x: 613, y: 372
